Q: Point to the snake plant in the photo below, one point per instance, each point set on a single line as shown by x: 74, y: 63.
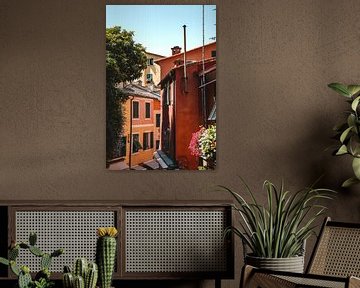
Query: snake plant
x: 279, y: 228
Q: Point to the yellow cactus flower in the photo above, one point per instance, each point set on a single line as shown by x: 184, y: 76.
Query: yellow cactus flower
x: 107, y: 231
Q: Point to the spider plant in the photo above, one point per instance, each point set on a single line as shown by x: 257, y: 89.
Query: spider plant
x: 279, y: 229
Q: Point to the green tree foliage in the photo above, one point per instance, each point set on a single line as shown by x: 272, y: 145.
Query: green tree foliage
x: 125, y: 60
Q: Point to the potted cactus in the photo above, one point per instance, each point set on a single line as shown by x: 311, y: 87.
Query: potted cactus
x: 85, y: 275
x: 106, y: 254
x: 42, y: 278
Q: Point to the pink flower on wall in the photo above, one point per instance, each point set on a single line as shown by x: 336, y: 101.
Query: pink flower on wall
x: 194, y: 143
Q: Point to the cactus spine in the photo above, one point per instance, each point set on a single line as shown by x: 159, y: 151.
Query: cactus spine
x: 24, y: 280
x: 45, y: 261
x: 106, y: 254
x: 68, y: 280
x: 80, y: 267
x: 91, y: 276
x: 79, y: 282
x: 84, y: 275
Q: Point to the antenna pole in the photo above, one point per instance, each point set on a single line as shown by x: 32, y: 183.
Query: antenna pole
x: 203, y: 93
x: 185, y: 74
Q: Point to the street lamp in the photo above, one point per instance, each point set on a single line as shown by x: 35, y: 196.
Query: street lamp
x: 130, y: 136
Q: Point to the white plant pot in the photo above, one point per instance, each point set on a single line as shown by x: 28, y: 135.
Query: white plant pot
x: 291, y: 264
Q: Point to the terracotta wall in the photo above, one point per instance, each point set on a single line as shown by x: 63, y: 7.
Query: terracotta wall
x: 275, y: 113
x: 192, y: 55
x: 188, y: 115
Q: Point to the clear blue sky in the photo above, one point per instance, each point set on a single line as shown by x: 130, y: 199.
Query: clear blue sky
x: 159, y: 27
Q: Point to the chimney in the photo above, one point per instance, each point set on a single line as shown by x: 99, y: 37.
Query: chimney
x: 175, y: 50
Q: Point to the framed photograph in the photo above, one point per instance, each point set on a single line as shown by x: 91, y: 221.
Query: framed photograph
x: 161, y: 87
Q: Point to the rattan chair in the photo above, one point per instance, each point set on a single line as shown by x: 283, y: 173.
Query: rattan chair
x: 334, y: 263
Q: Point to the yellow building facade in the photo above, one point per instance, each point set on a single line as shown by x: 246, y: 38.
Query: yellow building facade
x: 152, y: 73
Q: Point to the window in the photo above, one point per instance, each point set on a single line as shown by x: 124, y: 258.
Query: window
x: 213, y: 53
x: 168, y: 94
x: 146, y: 141
x: 151, y: 139
x: 157, y: 120
x: 136, y: 146
x: 172, y: 92
x: 150, y: 61
x: 157, y: 145
x: 147, y: 110
x: 149, y: 78
x: 135, y: 109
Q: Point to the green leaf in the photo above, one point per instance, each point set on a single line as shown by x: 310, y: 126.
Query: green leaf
x: 356, y: 167
x: 355, y: 103
x: 349, y: 182
x: 354, y: 145
x: 13, y: 253
x: 345, y: 134
x: 279, y: 228
x: 45, y: 261
x: 342, y: 150
x: 351, y: 120
x: 353, y: 89
x: 14, y: 268
x: 4, y: 261
x: 340, y: 88
x: 36, y: 251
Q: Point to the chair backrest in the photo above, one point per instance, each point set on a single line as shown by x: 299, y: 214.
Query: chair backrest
x: 337, y: 251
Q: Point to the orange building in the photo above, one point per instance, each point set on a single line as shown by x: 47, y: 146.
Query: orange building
x: 144, y: 126
x: 177, y: 56
x: 187, y: 104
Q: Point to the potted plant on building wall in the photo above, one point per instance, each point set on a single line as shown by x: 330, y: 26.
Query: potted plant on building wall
x: 203, y: 145
x: 274, y: 234
x: 348, y: 133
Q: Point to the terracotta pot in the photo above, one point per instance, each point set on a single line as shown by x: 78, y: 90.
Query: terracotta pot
x: 291, y: 264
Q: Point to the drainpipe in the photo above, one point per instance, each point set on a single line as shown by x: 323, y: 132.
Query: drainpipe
x: 203, y: 91
x: 185, y: 74
x: 130, y: 136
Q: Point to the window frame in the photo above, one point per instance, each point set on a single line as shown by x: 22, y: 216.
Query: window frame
x: 151, y: 140
x: 132, y: 144
x: 157, y: 119
x: 147, y: 102
x: 150, y: 61
x: 149, y: 79
x: 138, y: 109
x: 146, y: 138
